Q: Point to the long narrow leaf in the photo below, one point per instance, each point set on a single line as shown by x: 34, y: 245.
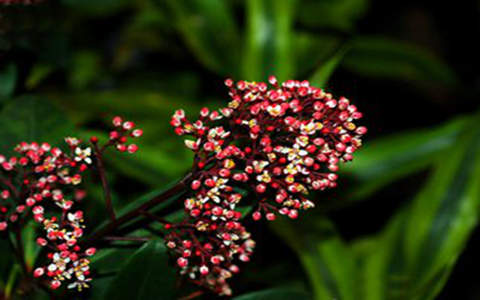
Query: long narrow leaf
x: 269, y: 39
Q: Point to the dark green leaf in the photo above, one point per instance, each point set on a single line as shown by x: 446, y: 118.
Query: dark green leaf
x: 384, y: 160
x: 312, y: 51
x: 336, y: 14
x: 275, y: 294
x: 325, y: 70
x: 269, y: 39
x: 38, y: 73
x: 420, y: 246
x: 326, y: 259
x: 85, y: 69
x: 8, y: 79
x: 386, y: 58
x: 145, y: 275
x: 145, y: 198
x: 209, y: 29
x: 30, y: 118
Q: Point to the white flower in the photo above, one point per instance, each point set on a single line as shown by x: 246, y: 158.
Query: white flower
x: 83, y: 155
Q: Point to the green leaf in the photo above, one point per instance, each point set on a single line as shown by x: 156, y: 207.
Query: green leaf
x: 39, y: 72
x: 420, y: 246
x: 147, y: 197
x: 110, y: 260
x: 85, y: 69
x: 326, y: 259
x: 8, y: 79
x: 31, y: 249
x: 335, y: 14
x: 384, y: 160
x: 382, y: 57
x: 145, y: 275
x: 208, y: 27
x: 312, y: 51
x: 269, y: 39
x: 31, y: 118
x: 162, y: 156
x: 322, y: 74
x: 275, y: 294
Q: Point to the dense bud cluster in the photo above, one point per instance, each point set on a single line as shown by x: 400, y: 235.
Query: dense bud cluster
x: 280, y: 141
x: 41, y: 182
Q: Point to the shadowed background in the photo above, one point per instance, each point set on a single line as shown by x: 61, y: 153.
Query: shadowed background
x: 402, y: 222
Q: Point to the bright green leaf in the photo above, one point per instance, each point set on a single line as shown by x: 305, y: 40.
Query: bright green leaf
x: 269, y: 39
x: 421, y: 244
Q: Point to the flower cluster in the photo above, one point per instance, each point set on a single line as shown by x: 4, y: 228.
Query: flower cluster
x: 119, y: 136
x: 47, y: 180
x: 280, y: 141
x: 41, y: 182
x: 207, y: 251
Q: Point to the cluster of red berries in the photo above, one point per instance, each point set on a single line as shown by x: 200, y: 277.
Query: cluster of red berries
x: 279, y: 141
x: 41, y: 182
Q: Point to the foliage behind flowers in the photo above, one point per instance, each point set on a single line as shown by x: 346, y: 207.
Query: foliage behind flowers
x: 401, y: 222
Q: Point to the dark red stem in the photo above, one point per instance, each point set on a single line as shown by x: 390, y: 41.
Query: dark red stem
x: 103, y: 178
x: 114, y: 224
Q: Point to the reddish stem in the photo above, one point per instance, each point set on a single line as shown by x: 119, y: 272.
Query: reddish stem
x: 115, y: 224
x: 192, y: 295
x: 103, y: 178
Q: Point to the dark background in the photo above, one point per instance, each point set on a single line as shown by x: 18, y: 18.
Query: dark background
x: 152, y: 56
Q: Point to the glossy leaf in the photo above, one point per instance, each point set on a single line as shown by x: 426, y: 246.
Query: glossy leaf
x: 413, y: 257
x: 275, y: 294
x: 269, y: 39
x: 145, y: 275
x: 417, y: 251
x: 209, y: 29
x: 387, y: 58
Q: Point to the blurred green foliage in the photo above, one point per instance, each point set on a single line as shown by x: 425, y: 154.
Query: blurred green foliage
x: 80, y: 74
